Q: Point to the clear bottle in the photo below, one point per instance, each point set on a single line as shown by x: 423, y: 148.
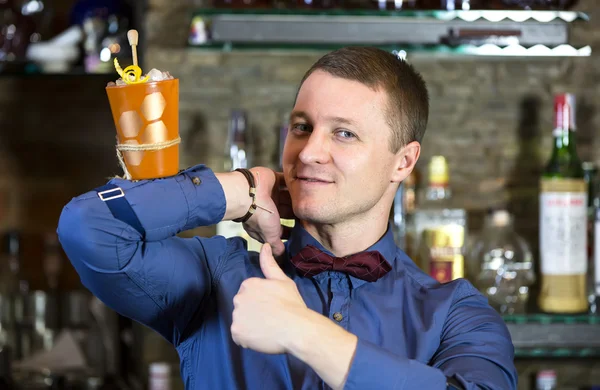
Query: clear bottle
x: 501, y: 264
x: 238, y: 154
x: 398, y: 217
x: 14, y: 292
x: 402, y: 210
x: 439, y: 228
x: 563, y: 219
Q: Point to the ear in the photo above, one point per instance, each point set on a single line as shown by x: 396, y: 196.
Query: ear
x: 405, y: 161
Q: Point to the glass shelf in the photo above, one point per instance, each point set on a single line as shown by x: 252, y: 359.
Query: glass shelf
x: 434, y: 33
x: 542, y: 353
x: 487, y: 50
x: 469, y: 16
x: 540, y: 318
x: 541, y: 335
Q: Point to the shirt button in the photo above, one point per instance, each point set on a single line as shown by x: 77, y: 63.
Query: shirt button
x: 196, y: 180
x: 338, y: 316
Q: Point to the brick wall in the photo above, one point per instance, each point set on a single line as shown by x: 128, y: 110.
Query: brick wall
x: 492, y: 118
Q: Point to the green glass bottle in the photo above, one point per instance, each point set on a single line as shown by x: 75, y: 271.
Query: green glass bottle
x: 563, y: 219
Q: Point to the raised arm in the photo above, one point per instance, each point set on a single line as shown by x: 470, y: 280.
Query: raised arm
x: 153, y: 276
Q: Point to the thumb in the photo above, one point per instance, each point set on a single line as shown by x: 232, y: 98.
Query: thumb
x: 269, y: 266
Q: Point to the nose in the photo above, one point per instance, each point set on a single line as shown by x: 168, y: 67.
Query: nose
x: 316, y: 150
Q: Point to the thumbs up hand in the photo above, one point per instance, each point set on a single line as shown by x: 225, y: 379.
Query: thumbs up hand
x: 266, y: 311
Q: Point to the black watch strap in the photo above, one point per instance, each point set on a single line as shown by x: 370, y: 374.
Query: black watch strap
x: 252, y: 193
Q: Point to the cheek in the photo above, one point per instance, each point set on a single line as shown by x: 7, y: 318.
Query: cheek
x: 369, y: 171
x: 291, y: 150
x: 354, y: 164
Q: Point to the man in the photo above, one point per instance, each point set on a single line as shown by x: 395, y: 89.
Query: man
x: 314, y: 318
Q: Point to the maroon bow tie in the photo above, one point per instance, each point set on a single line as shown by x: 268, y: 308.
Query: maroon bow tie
x: 368, y: 266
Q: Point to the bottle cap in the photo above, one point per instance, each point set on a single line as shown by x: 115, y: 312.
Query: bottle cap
x: 160, y: 369
x: 501, y: 218
x: 564, y: 111
x: 438, y: 170
x: 546, y: 378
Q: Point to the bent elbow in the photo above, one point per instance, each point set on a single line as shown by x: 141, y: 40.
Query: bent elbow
x: 92, y: 238
x: 71, y: 230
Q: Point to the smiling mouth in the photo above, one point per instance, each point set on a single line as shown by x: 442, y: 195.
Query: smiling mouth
x: 312, y: 180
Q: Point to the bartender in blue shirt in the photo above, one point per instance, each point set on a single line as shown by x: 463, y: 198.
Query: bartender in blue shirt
x: 336, y: 306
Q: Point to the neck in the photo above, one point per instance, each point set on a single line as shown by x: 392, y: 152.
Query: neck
x: 350, y: 236
x: 563, y: 139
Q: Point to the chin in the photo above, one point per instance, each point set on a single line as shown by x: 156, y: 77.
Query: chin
x: 306, y: 212
x: 315, y: 214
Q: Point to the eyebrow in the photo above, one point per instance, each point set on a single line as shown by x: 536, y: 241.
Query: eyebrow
x: 334, y: 119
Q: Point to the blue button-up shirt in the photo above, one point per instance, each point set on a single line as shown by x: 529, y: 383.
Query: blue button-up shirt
x: 412, y: 331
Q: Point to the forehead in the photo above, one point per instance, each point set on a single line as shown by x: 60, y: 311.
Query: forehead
x: 323, y: 94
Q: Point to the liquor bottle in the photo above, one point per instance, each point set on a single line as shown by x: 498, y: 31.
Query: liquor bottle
x: 500, y: 264
x: 159, y: 376
x: 546, y: 380
x: 6, y: 380
x: 590, y: 172
x: 563, y: 219
x: 238, y: 154
x: 411, y: 192
x: 398, y: 217
x: 439, y: 227
x: 402, y: 209
x: 14, y: 292
x: 283, y: 131
x: 8, y: 287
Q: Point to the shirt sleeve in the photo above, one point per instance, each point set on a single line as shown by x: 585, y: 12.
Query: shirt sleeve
x: 375, y: 368
x: 159, y: 280
x: 475, y: 348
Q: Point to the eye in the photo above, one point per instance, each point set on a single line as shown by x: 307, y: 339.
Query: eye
x: 346, y: 134
x: 301, y: 127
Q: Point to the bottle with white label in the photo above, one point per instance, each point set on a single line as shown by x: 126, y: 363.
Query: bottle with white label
x: 238, y: 154
x: 563, y: 219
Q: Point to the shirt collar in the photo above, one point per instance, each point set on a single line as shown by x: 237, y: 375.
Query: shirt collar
x: 300, y: 238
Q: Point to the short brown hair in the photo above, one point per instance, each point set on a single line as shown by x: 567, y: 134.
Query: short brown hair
x: 408, y: 99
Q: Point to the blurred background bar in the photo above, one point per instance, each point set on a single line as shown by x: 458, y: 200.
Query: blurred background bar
x: 501, y: 75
